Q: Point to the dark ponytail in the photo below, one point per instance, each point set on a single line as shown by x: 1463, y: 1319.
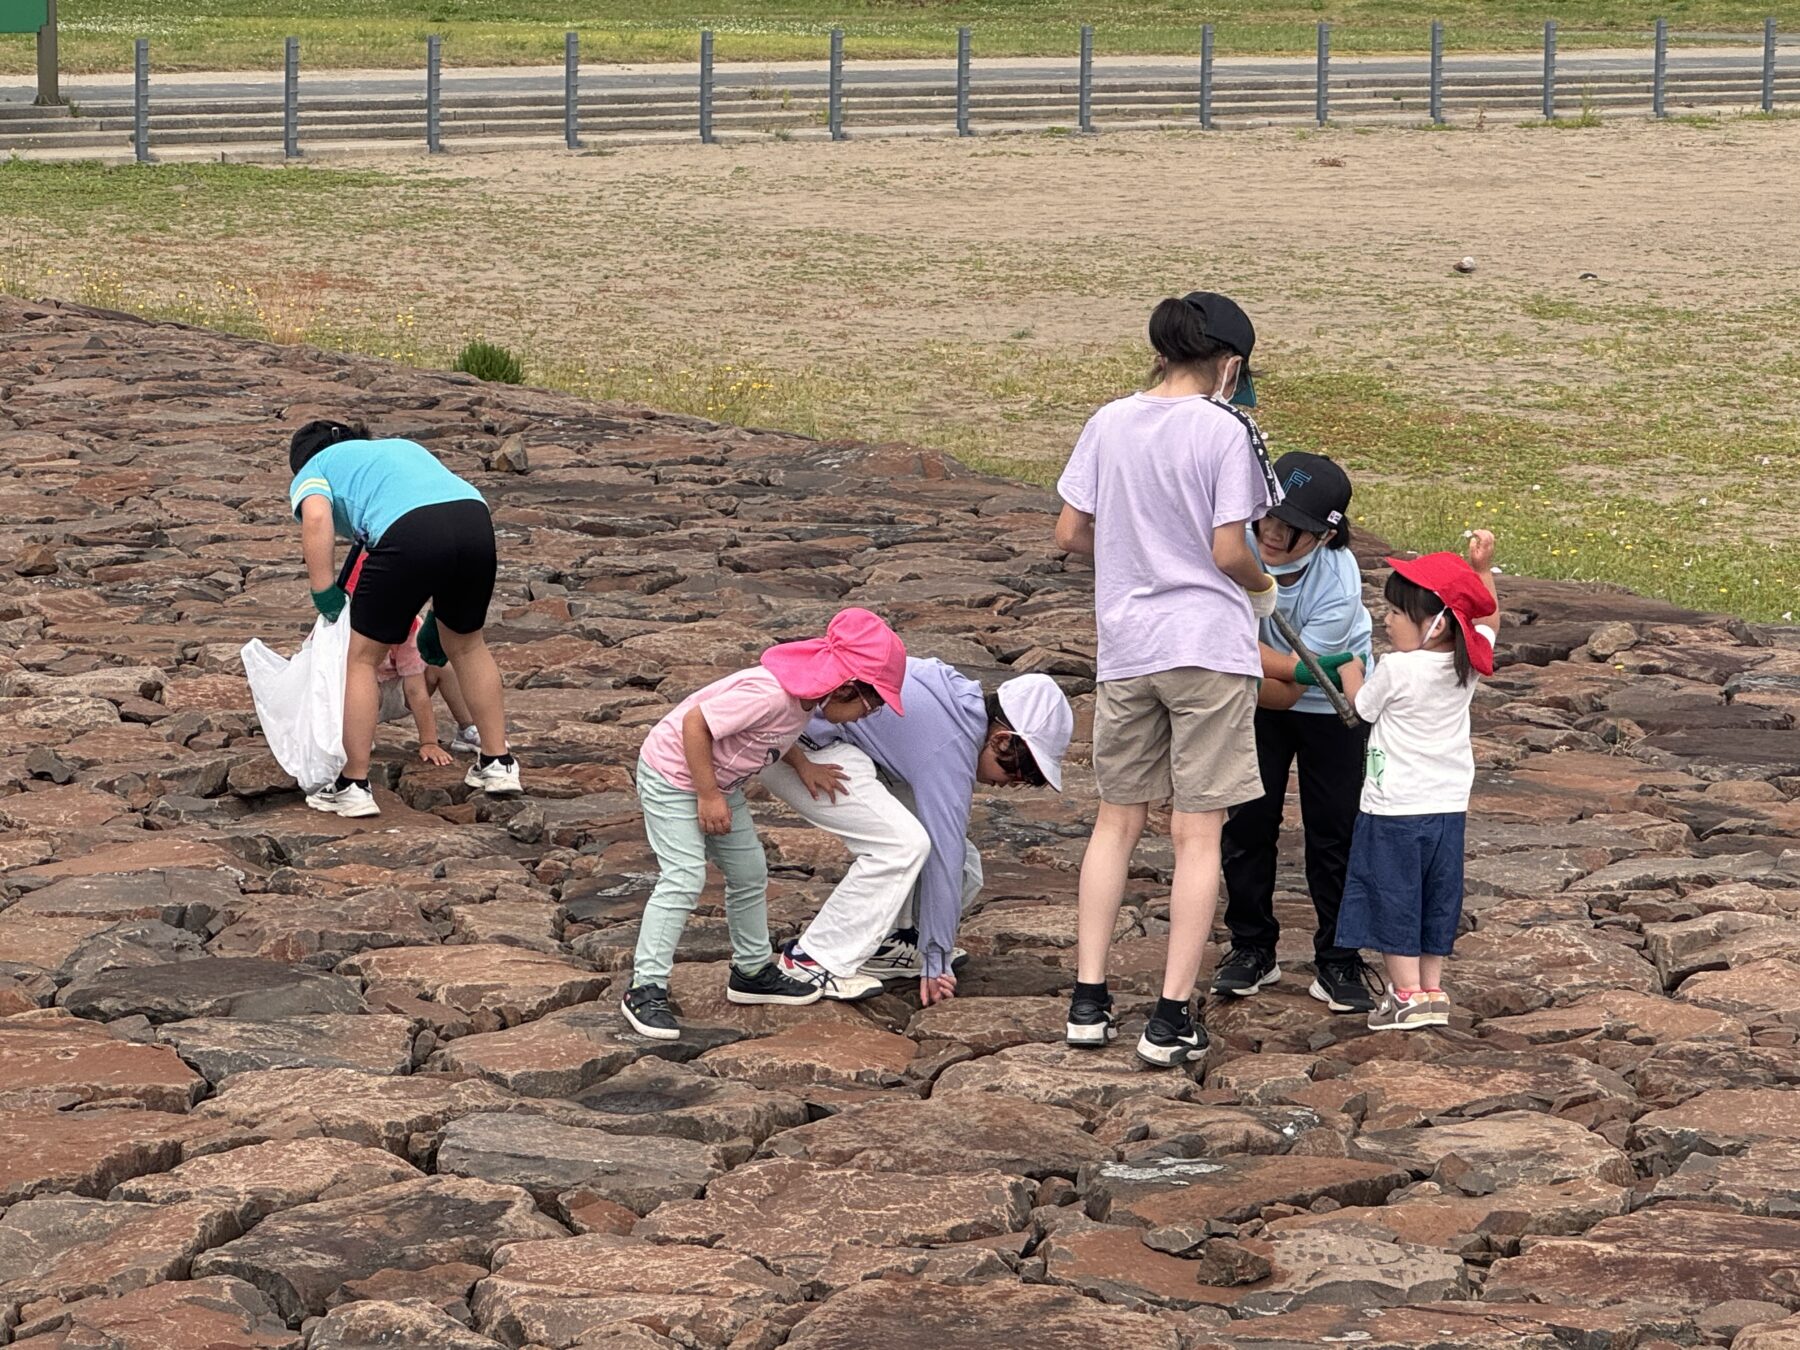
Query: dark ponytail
x: 1178, y: 333
x: 315, y: 436
x: 1341, y: 534
x: 1422, y: 606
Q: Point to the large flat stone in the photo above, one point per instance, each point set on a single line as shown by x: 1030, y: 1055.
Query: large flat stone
x: 921, y: 1316
x: 181, y: 897
x: 1179, y: 1192
x: 1468, y: 1224
x: 1762, y: 1179
x: 300, y: 1256
x: 1056, y: 1075
x: 320, y: 930
x: 1765, y: 991
x: 654, y: 1096
x: 130, y: 943
x: 576, y: 1290
x: 209, y: 1314
x: 221, y: 1046
x: 1486, y: 1325
x: 1157, y: 1127
x: 836, y: 1053
x: 89, y: 1152
x: 1395, y: 1094
x: 1725, y: 940
x: 214, y: 986
x: 1620, y: 1015
x: 963, y: 1132
x: 497, y: 985
x: 1671, y: 1074
x: 67, y: 1247
x: 1718, y: 1121
x: 989, y: 1024
x: 259, y: 1179
x: 1514, y: 1148
x: 546, y: 1158
x: 1504, y: 971
x: 60, y: 1064
x: 381, y: 1324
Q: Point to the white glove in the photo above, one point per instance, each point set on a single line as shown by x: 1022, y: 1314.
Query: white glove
x: 1262, y: 603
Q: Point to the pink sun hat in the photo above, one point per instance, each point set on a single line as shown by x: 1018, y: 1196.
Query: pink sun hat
x: 857, y: 646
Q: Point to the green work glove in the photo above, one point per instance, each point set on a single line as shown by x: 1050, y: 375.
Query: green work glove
x: 330, y: 602
x: 430, y: 647
x: 1332, y: 664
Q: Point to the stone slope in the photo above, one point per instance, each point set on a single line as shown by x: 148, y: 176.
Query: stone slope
x: 220, y: 1011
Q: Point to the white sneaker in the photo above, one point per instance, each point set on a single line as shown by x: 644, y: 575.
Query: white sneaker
x: 467, y: 740
x: 350, y: 800
x: 899, y: 958
x: 844, y: 988
x: 496, y: 779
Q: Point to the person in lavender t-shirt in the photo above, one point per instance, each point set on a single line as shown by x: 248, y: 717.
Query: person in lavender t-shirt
x: 1159, y: 492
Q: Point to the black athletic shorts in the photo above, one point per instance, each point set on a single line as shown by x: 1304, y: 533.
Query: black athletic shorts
x: 442, y: 553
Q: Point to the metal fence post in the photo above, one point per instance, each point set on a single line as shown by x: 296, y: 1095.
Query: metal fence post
x: 1659, y: 72
x: 1206, y: 76
x: 1322, y: 98
x: 572, y: 90
x: 964, y: 41
x: 1768, y: 89
x: 1437, y: 72
x: 1087, y: 77
x: 290, y: 101
x: 434, y: 81
x: 706, y: 89
x: 140, y: 121
x: 835, y: 116
x: 1550, y: 70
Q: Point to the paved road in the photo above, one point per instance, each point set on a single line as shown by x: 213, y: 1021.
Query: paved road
x: 541, y: 79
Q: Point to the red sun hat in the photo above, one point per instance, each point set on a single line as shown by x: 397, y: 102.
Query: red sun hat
x: 857, y: 646
x: 1459, y: 587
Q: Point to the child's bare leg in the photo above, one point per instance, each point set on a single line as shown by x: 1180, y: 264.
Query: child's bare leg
x: 443, y: 681
x: 1193, y: 898
x: 1104, y: 868
x: 1431, y: 972
x: 1402, y: 971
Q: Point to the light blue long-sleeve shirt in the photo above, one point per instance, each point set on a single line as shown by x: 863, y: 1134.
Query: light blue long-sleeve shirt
x: 1326, y: 606
x: 934, y: 749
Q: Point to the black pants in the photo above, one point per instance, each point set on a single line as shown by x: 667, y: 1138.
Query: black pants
x: 1331, y: 775
x: 443, y: 553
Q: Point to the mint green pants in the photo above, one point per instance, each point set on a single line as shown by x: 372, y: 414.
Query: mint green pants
x: 672, y: 824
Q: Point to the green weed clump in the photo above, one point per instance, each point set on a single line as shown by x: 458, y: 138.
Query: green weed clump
x: 491, y: 362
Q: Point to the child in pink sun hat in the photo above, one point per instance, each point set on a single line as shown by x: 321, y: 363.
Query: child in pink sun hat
x: 690, y: 780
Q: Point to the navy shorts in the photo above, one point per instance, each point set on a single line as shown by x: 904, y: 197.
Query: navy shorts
x: 1404, y: 893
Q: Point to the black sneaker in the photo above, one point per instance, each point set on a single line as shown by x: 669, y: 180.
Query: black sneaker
x: 1091, y: 1022
x: 650, y: 1013
x: 769, y: 985
x: 1165, y: 1046
x: 1245, y: 970
x: 1346, y: 985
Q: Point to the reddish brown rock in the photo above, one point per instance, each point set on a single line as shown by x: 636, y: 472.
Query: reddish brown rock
x: 259, y: 1179
x: 1668, y: 1075
x: 447, y: 1288
x: 919, y: 1316
x: 499, y: 986
x: 547, y: 1159
x: 1056, y: 1075
x: 1513, y: 1148
x: 1762, y: 1179
x: 1155, y: 1127
x: 1620, y: 1015
x: 89, y: 1152
x: 1505, y: 971
x: 204, y: 1314
x: 700, y: 990
x: 211, y: 987
x: 55, y: 810
x: 1166, y: 1192
x: 1467, y: 1224
x: 77, y: 1061
x: 320, y: 930
x: 654, y: 1096
x: 382, y: 1323
x: 1718, y: 1121
x: 1719, y: 941
x: 1782, y: 1335
x: 1390, y: 1095
x: 1756, y: 991
x: 1440, y: 1326
x: 824, y: 1053
x: 560, y: 1293
x: 65, y: 1247
x: 989, y: 1024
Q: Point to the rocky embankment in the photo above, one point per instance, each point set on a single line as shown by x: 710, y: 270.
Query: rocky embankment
x: 272, y: 1079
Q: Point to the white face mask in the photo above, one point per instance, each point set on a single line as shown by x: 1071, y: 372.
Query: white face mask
x: 1288, y: 569
x: 1228, y: 379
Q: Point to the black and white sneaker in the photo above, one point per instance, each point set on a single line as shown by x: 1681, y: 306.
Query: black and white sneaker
x: 796, y: 965
x: 770, y: 985
x: 1165, y: 1045
x: 648, y: 1009
x: 1244, y: 971
x: 1346, y: 986
x: 899, y: 958
x: 1091, y: 1022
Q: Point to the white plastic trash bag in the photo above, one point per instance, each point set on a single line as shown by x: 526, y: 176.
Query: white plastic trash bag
x: 300, y: 702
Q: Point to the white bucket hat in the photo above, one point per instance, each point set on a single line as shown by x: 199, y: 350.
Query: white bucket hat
x: 1040, y: 713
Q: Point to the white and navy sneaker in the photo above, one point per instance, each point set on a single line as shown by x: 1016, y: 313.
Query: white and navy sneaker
x: 1165, y: 1045
x: 899, y: 958
x: 497, y: 778
x: 798, y: 966
x: 467, y: 740
x: 648, y: 1009
x: 770, y: 985
x: 353, y: 800
x: 1091, y: 1022
x: 1244, y: 971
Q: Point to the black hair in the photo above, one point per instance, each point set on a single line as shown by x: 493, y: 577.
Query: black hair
x: 1178, y: 333
x: 1340, y: 532
x: 315, y: 436
x: 858, y: 688
x: 1016, y: 757
x: 1422, y: 606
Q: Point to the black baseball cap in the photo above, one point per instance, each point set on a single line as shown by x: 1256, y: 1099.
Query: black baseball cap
x: 1226, y: 322
x: 1315, y: 492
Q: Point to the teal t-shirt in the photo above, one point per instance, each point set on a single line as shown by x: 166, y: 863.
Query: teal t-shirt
x: 1326, y: 606
x: 371, y: 484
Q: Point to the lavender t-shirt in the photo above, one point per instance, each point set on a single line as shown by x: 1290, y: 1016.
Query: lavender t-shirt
x: 1159, y: 475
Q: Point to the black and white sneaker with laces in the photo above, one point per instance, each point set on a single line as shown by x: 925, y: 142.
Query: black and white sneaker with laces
x: 1165, y: 1045
x: 1346, y: 985
x: 1091, y: 1022
x: 1244, y: 971
x: 770, y: 985
x: 899, y: 958
x: 647, y: 1008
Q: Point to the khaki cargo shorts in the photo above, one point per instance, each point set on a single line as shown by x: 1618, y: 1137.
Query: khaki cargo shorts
x: 1187, y: 734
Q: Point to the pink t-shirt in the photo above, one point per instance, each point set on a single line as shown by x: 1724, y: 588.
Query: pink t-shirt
x: 402, y: 659
x: 1159, y: 475
x: 753, y: 721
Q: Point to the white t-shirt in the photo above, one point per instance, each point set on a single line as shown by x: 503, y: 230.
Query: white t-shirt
x: 1420, y: 761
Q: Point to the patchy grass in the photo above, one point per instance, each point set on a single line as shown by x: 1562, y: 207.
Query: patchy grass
x: 247, y: 34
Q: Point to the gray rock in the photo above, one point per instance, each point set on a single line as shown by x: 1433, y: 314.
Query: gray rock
x: 213, y: 986
x: 220, y: 1046
x: 546, y: 1158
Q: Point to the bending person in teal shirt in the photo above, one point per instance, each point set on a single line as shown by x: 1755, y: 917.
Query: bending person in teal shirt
x: 426, y: 536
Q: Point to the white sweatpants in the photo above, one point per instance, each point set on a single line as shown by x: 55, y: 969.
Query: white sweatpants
x: 888, y: 847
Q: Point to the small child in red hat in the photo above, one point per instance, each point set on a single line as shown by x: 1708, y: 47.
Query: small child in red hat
x: 1404, y: 894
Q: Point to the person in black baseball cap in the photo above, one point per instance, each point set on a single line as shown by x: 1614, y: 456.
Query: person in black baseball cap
x: 1225, y: 322
x: 1304, y: 544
